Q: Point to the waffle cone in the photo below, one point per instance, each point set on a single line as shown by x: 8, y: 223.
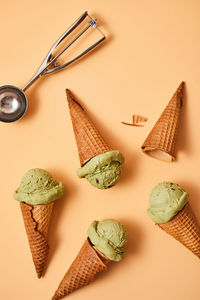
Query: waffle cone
x: 82, y: 271
x: 185, y: 229
x: 89, y: 141
x: 161, y: 141
x: 36, y: 221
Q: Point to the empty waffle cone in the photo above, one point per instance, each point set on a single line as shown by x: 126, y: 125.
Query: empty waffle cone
x: 185, y: 229
x: 89, y: 141
x: 82, y: 271
x: 36, y: 221
x: 161, y: 141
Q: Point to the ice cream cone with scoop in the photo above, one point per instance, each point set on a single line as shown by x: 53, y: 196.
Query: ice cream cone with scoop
x: 170, y: 209
x: 100, y: 164
x: 105, y: 243
x: 37, y: 193
x: 161, y: 141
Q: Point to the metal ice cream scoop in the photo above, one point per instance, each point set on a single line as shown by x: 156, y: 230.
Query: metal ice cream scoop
x: 13, y: 101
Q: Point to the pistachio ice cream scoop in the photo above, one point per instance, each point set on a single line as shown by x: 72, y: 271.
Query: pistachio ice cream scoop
x: 109, y: 237
x: 104, y: 170
x: 38, y: 187
x: 166, y: 200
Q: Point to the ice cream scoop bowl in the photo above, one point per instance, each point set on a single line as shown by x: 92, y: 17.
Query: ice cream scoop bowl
x: 13, y: 101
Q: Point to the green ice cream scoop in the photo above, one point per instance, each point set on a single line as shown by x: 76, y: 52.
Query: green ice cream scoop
x: 166, y: 200
x: 109, y: 237
x: 38, y: 187
x: 104, y: 170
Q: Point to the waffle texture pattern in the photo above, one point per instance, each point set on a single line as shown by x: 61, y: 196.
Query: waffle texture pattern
x: 82, y: 271
x: 36, y: 221
x: 185, y: 229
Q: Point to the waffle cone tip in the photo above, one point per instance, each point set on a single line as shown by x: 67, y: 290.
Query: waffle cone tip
x: 71, y: 99
x: 179, y: 92
x: 39, y: 274
x: 181, y: 86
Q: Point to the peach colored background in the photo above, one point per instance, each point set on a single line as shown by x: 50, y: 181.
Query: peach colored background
x: 151, y: 47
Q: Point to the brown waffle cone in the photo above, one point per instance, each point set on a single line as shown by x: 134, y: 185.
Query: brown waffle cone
x: 185, y: 229
x: 89, y: 141
x: 82, y: 271
x: 36, y: 221
x: 161, y: 141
